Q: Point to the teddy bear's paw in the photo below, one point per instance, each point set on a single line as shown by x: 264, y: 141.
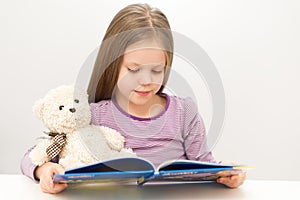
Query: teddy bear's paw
x: 114, y: 139
x: 38, y: 160
x: 38, y: 155
x: 116, y: 145
x: 127, y: 152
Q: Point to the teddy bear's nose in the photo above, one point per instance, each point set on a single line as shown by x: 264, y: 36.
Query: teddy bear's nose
x: 72, y: 110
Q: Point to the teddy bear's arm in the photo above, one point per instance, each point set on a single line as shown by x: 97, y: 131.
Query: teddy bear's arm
x: 38, y: 154
x: 114, y: 139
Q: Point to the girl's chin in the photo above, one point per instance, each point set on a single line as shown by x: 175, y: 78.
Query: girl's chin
x: 140, y: 100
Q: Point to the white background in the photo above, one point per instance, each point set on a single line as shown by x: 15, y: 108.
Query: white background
x: 254, y: 45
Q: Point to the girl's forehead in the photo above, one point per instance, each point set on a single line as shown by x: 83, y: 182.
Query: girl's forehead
x: 145, y: 56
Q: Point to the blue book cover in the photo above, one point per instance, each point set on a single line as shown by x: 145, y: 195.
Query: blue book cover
x: 140, y: 171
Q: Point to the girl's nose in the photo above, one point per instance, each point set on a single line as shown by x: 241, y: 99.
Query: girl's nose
x: 145, y: 79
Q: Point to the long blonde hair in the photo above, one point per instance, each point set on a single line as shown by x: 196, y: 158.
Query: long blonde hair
x: 132, y: 24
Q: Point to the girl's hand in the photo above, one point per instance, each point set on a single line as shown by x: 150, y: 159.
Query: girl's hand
x: 45, y: 174
x: 232, y: 180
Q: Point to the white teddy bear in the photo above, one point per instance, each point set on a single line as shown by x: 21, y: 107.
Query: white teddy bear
x: 65, y: 111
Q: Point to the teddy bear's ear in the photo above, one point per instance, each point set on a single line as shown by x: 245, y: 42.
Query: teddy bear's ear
x: 38, y: 108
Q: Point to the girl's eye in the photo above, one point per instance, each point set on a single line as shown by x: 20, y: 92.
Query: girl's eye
x: 157, y: 71
x: 76, y: 101
x: 133, y: 70
x: 61, y: 107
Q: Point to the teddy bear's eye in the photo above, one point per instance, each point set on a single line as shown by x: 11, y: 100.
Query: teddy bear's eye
x: 76, y: 101
x: 61, y: 107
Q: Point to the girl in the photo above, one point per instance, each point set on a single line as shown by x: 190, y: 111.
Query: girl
x: 126, y: 94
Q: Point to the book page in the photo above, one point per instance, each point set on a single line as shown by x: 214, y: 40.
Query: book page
x: 190, y: 164
x: 115, y: 165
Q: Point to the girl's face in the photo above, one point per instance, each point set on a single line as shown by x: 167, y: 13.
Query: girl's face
x: 141, y: 74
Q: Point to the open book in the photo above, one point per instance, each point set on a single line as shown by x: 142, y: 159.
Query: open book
x: 141, y: 171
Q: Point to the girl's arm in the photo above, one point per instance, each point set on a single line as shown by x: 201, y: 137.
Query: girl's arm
x: 43, y: 174
x: 232, y: 181
x: 194, y: 134
x: 196, y: 146
x: 27, y: 167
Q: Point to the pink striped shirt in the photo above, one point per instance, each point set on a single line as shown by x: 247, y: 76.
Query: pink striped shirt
x: 178, y: 132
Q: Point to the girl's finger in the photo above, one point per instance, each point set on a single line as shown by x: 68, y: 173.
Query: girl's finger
x: 59, y: 187
x: 233, y: 181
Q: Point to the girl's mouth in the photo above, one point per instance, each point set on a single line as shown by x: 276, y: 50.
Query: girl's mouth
x: 142, y: 93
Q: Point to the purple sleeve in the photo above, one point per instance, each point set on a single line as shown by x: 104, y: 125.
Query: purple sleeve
x: 27, y: 167
x: 195, y: 141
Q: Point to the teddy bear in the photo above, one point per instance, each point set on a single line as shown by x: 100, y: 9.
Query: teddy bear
x: 66, y: 113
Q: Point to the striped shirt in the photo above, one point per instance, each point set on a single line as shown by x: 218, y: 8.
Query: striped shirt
x: 178, y: 132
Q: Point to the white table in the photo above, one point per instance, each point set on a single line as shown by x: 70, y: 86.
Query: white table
x: 21, y: 187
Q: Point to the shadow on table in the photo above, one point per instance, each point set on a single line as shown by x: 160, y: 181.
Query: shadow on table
x: 152, y: 191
